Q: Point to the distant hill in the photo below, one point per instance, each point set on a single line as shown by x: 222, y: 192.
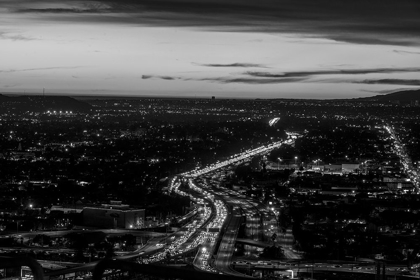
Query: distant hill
x: 3, y: 97
x: 406, y: 96
x: 37, y: 103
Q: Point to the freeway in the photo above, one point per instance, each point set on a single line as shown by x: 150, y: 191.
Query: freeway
x: 400, y: 150
x: 237, y: 158
x: 242, y: 209
x: 227, y: 246
x: 239, y: 208
x: 197, y: 232
x: 240, y: 205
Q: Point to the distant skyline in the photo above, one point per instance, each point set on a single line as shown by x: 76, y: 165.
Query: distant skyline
x: 324, y: 49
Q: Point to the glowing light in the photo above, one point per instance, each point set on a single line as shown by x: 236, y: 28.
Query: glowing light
x: 272, y: 122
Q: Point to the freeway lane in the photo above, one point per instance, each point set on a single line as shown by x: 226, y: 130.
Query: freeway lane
x: 400, y: 150
x: 227, y: 246
x: 237, y: 158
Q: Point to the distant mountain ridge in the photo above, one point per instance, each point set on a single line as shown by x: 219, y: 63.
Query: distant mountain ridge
x: 39, y: 103
x: 405, y: 96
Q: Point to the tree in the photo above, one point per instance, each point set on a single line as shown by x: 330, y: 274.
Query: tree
x: 110, y: 252
x: 274, y: 237
x: 42, y: 239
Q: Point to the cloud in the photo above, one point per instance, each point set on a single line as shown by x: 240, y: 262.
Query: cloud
x: 15, y: 37
x: 167, y: 78
x: 308, y: 74
x: 391, y: 82
x: 38, y: 69
x: 224, y: 80
x: 63, y: 7
x: 405, y: 52
x: 58, y: 10
x: 254, y: 77
x: 244, y: 65
x: 356, y: 21
x: 145, y: 77
x: 10, y: 86
x: 253, y: 81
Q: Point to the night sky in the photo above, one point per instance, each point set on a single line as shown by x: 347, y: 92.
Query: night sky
x: 203, y: 48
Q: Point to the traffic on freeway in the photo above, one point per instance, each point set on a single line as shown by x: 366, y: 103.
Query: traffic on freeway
x: 220, y: 200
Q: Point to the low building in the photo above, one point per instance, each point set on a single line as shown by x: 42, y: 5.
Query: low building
x: 350, y: 168
x: 342, y: 168
x: 114, y: 215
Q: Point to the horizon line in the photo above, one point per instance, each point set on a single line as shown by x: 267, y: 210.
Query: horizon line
x: 209, y: 97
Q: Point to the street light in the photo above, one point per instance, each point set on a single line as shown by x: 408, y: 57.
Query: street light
x: 278, y: 164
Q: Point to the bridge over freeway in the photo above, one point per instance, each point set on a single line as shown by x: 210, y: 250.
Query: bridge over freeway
x: 252, y: 242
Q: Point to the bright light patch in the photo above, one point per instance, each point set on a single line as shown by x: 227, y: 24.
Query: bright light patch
x: 272, y: 122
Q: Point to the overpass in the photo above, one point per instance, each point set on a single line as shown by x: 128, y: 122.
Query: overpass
x: 252, y: 242
x: 99, y: 268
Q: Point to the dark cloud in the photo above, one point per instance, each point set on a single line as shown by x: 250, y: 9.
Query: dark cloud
x: 331, y: 72
x: 254, y: 81
x: 391, y: 82
x: 145, y: 77
x: 357, y: 21
x: 387, y: 91
x: 243, y: 65
x: 167, y: 78
x: 405, y: 52
x: 224, y: 80
x: 253, y: 77
x: 87, y: 7
x: 58, y: 10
